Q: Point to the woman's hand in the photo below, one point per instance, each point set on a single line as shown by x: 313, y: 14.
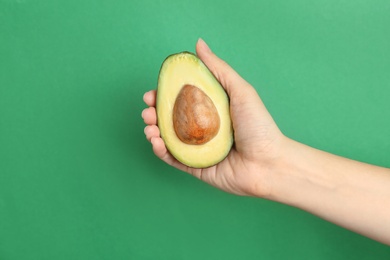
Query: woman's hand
x: 258, y: 141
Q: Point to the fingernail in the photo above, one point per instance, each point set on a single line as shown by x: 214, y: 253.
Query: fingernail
x: 204, y: 45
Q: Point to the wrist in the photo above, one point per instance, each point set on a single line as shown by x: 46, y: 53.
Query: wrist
x: 292, y: 178
x: 275, y: 172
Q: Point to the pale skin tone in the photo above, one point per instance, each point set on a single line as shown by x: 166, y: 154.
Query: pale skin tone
x: 265, y: 163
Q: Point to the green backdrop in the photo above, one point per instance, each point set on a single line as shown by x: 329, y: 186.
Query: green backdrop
x: 78, y: 180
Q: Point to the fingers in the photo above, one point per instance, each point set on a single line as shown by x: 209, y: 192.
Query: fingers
x: 227, y: 76
x: 149, y: 115
x: 151, y: 131
x: 150, y: 98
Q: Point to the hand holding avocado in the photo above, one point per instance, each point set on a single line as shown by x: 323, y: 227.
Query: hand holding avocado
x: 262, y: 161
x: 256, y: 136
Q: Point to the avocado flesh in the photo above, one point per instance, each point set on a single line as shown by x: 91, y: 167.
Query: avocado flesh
x: 177, y: 71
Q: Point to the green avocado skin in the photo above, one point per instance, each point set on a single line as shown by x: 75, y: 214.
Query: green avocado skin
x: 196, y: 156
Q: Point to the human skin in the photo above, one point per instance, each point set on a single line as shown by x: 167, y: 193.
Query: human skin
x: 265, y: 163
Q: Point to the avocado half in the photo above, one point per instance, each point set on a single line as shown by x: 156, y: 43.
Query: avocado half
x: 193, y: 112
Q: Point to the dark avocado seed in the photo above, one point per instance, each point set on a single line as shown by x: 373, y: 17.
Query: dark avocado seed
x: 195, y: 118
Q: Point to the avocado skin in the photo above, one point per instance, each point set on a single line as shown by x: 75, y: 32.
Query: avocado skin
x: 176, y: 71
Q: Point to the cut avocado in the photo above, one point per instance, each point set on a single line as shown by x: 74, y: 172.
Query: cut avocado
x: 193, y: 112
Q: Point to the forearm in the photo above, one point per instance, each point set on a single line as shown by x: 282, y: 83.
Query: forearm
x: 348, y: 193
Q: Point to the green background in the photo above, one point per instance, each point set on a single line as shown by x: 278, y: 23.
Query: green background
x: 78, y: 180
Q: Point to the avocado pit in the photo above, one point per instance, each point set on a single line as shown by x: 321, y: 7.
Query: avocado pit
x: 195, y: 117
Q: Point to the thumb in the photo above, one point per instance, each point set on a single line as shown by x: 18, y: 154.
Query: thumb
x: 228, y: 77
